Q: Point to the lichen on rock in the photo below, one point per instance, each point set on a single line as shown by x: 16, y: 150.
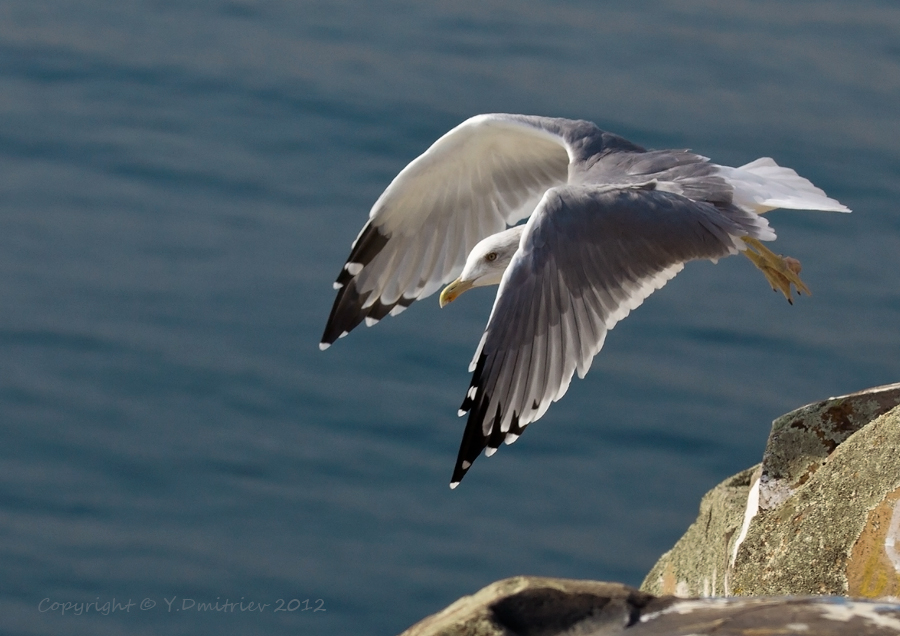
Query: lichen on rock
x: 823, y: 520
x: 818, y: 516
x: 699, y: 564
x: 538, y: 606
x: 806, y: 545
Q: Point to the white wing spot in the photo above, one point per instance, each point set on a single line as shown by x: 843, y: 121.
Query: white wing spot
x: 465, y: 465
x: 471, y: 392
x: 337, y: 285
x: 344, y: 334
x: 510, y: 438
x: 353, y: 268
x: 489, y: 451
x: 324, y: 345
x: 371, y: 321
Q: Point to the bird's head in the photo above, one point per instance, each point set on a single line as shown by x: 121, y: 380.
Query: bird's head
x: 486, y: 263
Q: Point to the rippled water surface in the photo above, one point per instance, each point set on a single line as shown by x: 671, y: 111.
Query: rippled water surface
x: 180, y: 183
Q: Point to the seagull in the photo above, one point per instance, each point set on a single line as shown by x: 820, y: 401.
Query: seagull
x: 608, y: 223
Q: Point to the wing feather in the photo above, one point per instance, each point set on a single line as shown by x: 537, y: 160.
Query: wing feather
x: 589, y: 256
x: 485, y: 174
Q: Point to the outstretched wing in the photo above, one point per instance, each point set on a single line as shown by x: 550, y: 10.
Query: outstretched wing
x: 488, y: 172
x: 589, y: 255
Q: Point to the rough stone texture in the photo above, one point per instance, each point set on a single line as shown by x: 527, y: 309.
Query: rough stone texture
x: 802, y: 440
x: 825, y: 523
x: 806, y: 545
x: 874, y: 561
x: 818, y: 516
x: 699, y: 563
x: 818, y: 616
x: 533, y: 606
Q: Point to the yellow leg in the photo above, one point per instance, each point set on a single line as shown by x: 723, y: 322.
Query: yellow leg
x: 780, y: 271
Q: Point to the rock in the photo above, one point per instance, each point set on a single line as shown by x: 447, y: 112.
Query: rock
x: 819, y: 515
x: 830, y: 535
x: 700, y: 563
x: 801, y: 441
x: 536, y: 606
x: 816, y: 517
x: 815, y: 616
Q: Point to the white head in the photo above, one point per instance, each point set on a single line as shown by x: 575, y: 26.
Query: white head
x: 486, y: 263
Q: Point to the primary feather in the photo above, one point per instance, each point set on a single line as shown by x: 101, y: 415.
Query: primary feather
x: 608, y: 223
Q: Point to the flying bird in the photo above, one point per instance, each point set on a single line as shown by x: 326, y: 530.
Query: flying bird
x: 608, y: 223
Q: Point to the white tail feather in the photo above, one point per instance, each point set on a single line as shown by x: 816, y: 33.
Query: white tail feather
x: 763, y: 185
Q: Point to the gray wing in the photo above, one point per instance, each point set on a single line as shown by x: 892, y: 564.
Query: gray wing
x: 588, y: 256
x: 488, y: 172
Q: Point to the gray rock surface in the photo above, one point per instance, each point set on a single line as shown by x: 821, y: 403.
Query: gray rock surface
x: 535, y: 606
x: 816, y: 517
x: 815, y: 616
x: 819, y: 515
x: 700, y: 563
x: 801, y: 441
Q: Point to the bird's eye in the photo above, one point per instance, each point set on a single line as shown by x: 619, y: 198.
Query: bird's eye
x: 490, y: 257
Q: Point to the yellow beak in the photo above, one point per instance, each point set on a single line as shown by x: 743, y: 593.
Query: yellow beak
x: 453, y: 290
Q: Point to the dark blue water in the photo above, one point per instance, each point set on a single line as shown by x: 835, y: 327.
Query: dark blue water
x: 180, y: 183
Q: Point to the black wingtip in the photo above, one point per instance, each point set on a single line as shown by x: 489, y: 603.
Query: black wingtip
x: 346, y: 314
x: 351, y: 307
x: 473, y: 440
x: 461, y: 468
